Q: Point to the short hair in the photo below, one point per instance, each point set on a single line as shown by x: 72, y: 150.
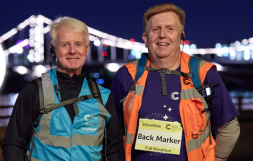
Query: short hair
x: 160, y: 8
x: 75, y: 24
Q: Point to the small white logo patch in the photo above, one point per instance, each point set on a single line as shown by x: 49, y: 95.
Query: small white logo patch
x: 173, y: 95
x: 86, y: 117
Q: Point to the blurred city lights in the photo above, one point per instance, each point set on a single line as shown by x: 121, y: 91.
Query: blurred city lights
x: 134, y: 54
x: 193, y: 46
x: 246, y: 54
x: 2, y: 65
x: 245, y: 42
x: 251, y: 40
x: 20, y: 69
x: 100, y: 81
x: 8, y: 35
x: 16, y: 48
x: 132, y: 40
x: 96, y: 75
x: 40, y: 69
x: 113, y: 67
x: 238, y: 56
x: 187, y: 42
x: 218, y: 45
x: 237, y: 43
x: 104, y: 53
x: 97, y: 42
x: 225, y: 51
x: 232, y: 55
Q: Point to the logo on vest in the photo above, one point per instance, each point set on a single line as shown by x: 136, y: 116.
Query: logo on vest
x: 173, y: 96
x: 86, y: 117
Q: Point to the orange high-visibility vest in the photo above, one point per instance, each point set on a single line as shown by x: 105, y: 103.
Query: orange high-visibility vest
x: 196, y: 124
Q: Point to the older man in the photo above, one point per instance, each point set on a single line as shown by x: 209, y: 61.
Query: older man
x: 163, y: 115
x: 64, y: 116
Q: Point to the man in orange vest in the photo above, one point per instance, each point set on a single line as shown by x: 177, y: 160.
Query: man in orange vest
x: 163, y: 116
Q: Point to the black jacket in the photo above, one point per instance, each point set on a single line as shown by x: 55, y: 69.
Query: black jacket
x: 26, y: 110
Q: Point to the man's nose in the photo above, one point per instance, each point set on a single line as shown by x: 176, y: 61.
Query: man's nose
x: 72, y: 49
x: 162, y: 33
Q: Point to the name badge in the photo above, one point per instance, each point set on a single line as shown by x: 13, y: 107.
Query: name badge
x: 159, y: 136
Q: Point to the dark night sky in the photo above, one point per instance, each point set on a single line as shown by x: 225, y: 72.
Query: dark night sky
x: 207, y: 21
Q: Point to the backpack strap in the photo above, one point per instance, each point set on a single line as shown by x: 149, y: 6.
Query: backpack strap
x: 141, y: 66
x: 194, y: 67
x: 94, y: 88
x: 36, y: 122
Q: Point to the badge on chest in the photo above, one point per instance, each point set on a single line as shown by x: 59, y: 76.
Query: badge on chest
x: 159, y: 136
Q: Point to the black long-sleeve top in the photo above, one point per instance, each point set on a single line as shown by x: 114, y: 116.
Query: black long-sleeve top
x: 26, y: 110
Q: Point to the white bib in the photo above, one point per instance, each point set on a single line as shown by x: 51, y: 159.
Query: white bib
x: 159, y: 136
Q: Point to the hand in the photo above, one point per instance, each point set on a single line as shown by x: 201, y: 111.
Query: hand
x: 218, y: 159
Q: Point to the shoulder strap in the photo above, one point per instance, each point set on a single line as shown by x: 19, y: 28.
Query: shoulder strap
x: 95, y: 93
x: 141, y: 66
x: 41, y: 100
x: 194, y: 67
x: 36, y: 122
x: 94, y: 89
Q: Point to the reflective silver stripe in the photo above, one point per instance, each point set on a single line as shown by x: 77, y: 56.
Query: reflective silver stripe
x: 59, y: 141
x: 202, y: 62
x: 193, y: 93
x: 136, y: 62
x: 125, y: 130
x: 196, y: 143
x: 34, y: 159
x: 43, y: 135
x: 48, y: 89
x: 87, y: 140
x: 129, y: 138
x: 104, y: 112
x: 139, y: 89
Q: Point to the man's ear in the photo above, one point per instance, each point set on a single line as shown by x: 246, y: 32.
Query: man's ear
x: 145, y: 39
x: 52, y: 49
x: 182, y: 39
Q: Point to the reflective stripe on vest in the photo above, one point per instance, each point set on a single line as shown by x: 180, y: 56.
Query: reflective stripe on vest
x: 197, y: 130
x: 34, y: 159
x: 58, y: 139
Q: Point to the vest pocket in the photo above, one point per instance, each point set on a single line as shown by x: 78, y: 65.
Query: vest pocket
x: 196, y: 119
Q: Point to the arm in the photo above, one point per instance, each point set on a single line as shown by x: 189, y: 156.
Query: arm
x: 19, y: 130
x: 226, y: 139
x: 223, y: 115
x: 114, y: 138
x: 119, y: 89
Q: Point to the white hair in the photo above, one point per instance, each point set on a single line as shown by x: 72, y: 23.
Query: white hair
x: 76, y: 25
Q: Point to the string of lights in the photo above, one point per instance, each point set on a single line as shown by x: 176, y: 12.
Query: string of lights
x: 235, y: 50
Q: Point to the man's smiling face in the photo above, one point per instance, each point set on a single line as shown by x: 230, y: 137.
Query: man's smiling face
x: 162, y: 36
x: 71, y: 50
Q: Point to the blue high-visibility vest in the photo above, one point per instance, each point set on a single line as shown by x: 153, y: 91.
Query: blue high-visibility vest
x: 57, y: 138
